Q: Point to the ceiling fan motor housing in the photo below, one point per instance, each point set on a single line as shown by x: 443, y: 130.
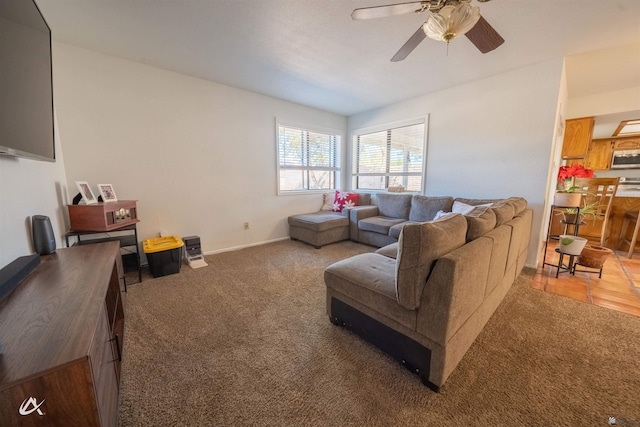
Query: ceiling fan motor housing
x: 451, y: 21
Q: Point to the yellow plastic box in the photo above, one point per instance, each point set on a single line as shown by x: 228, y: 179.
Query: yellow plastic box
x: 164, y: 255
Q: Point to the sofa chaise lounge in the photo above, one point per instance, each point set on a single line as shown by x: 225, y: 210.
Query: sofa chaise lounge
x: 325, y: 226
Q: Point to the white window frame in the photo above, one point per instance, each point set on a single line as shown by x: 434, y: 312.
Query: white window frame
x: 380, y: 128
x: 337, y: 170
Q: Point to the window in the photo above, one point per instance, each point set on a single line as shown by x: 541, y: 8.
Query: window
x: 389, y: 158
x: 307, y: 160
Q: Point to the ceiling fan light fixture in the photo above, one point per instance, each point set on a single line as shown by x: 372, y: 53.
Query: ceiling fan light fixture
x: 451, y: 21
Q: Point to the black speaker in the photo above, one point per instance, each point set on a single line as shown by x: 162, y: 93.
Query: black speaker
x: 43, y: 239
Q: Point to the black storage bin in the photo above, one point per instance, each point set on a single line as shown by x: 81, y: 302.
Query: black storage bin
x: 164, y: 255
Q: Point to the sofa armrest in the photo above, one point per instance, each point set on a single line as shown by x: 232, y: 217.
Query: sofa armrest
x: 356, y: 214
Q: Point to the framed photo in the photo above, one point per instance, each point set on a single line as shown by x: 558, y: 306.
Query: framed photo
x: 107, y: 193
x: 87, y: 194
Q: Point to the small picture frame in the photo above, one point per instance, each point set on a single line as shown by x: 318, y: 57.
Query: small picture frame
x: 85, y: 191
x: 107, y: 193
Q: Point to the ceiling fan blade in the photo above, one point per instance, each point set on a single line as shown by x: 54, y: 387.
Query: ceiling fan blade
x: 411, y: 44
x: 386, y: 10
x: 484, y: 37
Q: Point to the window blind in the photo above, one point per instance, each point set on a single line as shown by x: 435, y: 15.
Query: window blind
x: 389, y: 158
x: 307, y: 160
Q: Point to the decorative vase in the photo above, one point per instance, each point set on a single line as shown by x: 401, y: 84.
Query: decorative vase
x: 572, y: 245
x: 567, y: 199
x: 594, y: 256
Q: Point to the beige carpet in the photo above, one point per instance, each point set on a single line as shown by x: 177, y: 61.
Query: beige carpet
x: 246, y: 341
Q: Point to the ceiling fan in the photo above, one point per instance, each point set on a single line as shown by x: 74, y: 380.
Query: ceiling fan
x: 447, y: 19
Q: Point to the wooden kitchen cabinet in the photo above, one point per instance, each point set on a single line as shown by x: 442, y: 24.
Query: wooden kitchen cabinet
x: 627, y: 144
x: 600, y: 154
x: 62, y: 333
x: 577, y: 137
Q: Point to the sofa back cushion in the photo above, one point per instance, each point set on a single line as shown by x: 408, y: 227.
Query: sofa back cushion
x: 504, y: 212
x: 519, y: 204
x: 424, y: 208
x: 419, y: 246
x: 501, y: 237
x: 480, y: 221
x: 394, y: 205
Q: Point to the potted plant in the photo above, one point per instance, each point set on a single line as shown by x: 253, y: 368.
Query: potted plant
x: 566, y: 195
x: 572, y: 245
x: 587, y: 210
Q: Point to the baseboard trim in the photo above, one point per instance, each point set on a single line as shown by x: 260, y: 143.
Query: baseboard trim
x: 237, y: 248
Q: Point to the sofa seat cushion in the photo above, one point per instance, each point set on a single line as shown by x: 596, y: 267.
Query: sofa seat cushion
x: 379, y: 224
x: 370, y: 280
x: 395, y: 230
x: 319, y: 221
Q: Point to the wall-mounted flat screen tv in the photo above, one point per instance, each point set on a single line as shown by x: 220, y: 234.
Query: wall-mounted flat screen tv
x: 26, y: 86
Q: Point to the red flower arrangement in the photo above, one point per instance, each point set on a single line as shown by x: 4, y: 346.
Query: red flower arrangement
x: 567, y: 175
x: 574, y: 171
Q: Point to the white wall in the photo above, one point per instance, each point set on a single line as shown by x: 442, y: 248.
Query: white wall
x: 27, y: 188
x: 199, y: 157
x: 605, y: 103
x: 490, y: 138
x: 604, y: 81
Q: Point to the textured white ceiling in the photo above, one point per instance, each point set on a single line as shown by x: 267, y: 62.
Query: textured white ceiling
x: 312, y: 53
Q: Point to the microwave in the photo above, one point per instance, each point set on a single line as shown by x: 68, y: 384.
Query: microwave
x: 626, y: 159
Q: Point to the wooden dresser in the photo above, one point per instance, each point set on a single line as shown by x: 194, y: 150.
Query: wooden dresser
x: 62, y: 333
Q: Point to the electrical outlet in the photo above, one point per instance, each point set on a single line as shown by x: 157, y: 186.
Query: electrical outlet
x: 246, y: 225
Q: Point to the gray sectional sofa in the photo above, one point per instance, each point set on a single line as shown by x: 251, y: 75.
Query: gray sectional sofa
x: 425, y: 298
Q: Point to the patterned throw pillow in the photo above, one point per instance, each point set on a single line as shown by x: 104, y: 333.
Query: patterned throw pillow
x: 344, y: 199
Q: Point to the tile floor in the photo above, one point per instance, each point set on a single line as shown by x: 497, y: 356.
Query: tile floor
x: 618, y: 289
